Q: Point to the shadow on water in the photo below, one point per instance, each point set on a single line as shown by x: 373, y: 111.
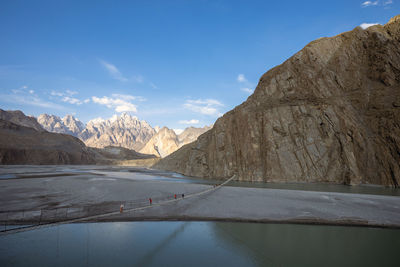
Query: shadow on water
x: 147, y: 259
x: 200, y: 244
x: 312, y: 245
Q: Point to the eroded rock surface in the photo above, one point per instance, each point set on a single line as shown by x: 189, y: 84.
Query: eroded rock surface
x: 67, y: 125
x: 18, y: 117
x: 125, y: 131
x: 330, y: 113
x: 166, y: 141
x: 25, y: 145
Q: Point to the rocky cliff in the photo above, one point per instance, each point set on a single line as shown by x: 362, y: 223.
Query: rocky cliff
x: 330, y: 113
x: 26, y: 145
x: 166, y: 141
x: 18, y: 117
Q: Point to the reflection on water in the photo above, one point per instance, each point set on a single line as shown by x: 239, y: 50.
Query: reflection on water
x: 200, y: 244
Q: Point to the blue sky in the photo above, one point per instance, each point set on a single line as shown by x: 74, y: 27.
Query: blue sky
x: 172, y: 63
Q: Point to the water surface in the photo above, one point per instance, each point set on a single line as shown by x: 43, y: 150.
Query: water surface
x: 200, y: 244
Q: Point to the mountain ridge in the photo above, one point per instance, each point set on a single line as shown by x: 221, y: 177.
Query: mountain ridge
x: 327, y: 114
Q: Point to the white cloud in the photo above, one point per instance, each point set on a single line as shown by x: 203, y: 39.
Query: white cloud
x: 23, y: 97
x: 72, y: 100
x: 113, y: 71
x: 86, y: 101
x: 193, y: 121
x: 241, y: 78
x: 67, y: 97
x: 206, y: 107
x: 247, y: 90
x: 367, y: 25
x: 389, y: 2
x: 178, y: 131
x: 31, y: 91
x: 54, y: 93
x: 129, y: 97
x: 370, y: 3
x: 69, y: 92
x: 118, y: 104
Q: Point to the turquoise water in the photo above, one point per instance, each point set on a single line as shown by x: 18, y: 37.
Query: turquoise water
x: 200, y: 244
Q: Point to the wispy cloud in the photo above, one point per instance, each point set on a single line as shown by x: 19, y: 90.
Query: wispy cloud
x: 153, y: 85
x: 247, y: 90
x: 193, y: 121
x: 369, y: 3
x: 72, y: 100
x: 367, y: 25
x: 113, y: 71
x: 67, y: 96
x: 129, y: 97
x: 389, y: 2
x: 206, y: 107
x: 241, y: 78
x: 118, y: 102
x: 28, y: 97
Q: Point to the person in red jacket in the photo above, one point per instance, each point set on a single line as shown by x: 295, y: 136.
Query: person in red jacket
x: 151, y: 201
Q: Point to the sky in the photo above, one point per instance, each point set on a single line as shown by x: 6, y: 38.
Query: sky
x: 171, y: 63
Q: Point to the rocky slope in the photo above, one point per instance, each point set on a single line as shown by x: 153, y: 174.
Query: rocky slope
x: 166, y: 141
x: 68, y: 125
x: 191, y: 134
x: 125, y: 131
x: 18, y: 117
x: 26, y: 145
x: 163, y: 143
x: 330, y: 113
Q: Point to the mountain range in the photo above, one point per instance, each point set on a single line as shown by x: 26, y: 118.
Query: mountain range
x: 123, y: 131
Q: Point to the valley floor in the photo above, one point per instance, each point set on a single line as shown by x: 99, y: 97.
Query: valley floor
x: 32, y: 194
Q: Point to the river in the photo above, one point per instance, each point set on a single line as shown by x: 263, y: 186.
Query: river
x: 200, y: 244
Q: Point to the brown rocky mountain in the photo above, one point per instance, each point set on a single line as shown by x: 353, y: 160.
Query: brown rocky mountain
x: 330, y: 113
x: 26, y: 145
x: 68, y: 125
x: 125, y: 131
x: 163, y: 143
x: 18, y: 117
x: 166, y: 141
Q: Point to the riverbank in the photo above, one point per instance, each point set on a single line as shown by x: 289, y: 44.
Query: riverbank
x: 93, y: 191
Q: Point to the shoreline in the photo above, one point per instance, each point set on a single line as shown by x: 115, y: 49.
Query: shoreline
x: 96, y: 196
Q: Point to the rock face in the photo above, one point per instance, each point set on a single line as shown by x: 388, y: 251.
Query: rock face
x: 25, y: 145
x: 73, y: 124
x: 18, y: 117
x: 111, y: 153
x: 165, y: 141
x: 330, y: 113
x: 125, y: 131
x: 191, y: 134
x: 68, y: 125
